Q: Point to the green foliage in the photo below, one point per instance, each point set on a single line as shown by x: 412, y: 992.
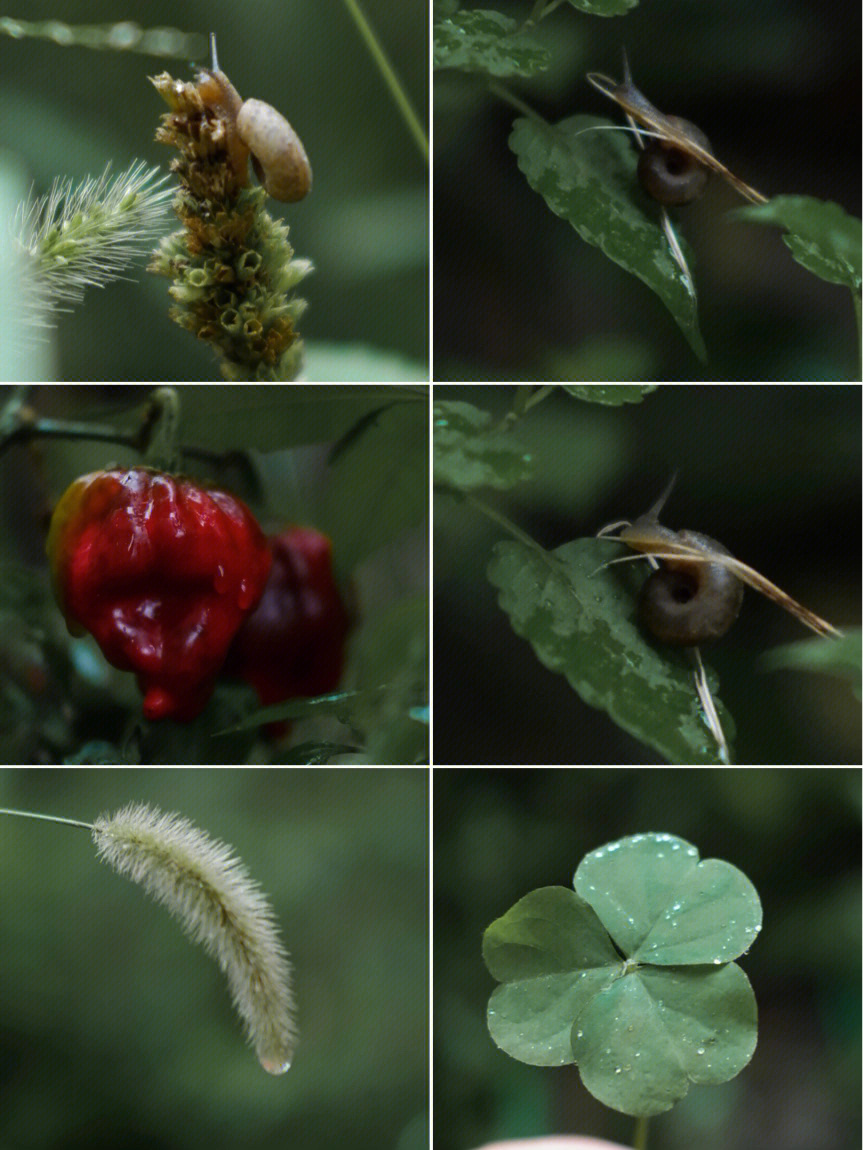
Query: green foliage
x: 269, y: 419
x: 611, y: 396
x: 604, y: 7
x: 630, y: 976
x: 588, y: 178
x: 839, y: 657
x: 470, y: 452
x: 822, y: 237
x: 335, y: 850
x: 351, y: 461
x: 486, y: 42
x: 579, y: 619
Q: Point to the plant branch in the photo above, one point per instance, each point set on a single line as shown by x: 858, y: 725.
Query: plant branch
x: 640, y: 1138
x: 46, y: 818
x: 390, y: 78
x: 504, y: 94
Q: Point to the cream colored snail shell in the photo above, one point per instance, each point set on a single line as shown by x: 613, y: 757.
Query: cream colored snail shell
x: 278, y: 156
x: 686, y: 603
x: 670, y: 174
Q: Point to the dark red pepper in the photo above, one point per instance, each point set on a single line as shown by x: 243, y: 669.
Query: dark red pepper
x: 162, y: 572
x: 292, y: 645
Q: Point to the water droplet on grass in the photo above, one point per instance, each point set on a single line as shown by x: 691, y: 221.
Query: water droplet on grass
x: 274, y: 1066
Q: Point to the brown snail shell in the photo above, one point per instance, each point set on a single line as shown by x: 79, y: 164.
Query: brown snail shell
x: 669, y: 173
x: 686, y: 603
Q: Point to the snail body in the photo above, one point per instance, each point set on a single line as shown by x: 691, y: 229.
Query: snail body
x: 687, y: 601
x: 257, y: 130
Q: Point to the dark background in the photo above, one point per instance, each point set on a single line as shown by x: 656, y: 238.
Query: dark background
x: 116, y: 1031
x: 772, y: 473
x: 794, y: 833
x: 67, y: 111
x: 519, y: 295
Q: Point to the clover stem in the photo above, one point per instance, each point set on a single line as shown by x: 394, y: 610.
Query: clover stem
x: 640, y: 1136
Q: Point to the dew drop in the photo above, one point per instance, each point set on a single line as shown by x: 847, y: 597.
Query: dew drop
x: 220, y: 581
x: 274, y: 1066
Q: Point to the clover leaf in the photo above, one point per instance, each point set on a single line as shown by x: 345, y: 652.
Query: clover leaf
x: 631, y: 974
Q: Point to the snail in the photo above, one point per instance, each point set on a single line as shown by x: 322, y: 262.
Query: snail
x: 684, y: 602
x: 671, y: 174
x: 687, y: 150
x: 695, y: 595
x: 256, y: 129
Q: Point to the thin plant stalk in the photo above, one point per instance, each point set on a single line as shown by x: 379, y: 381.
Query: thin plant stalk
x: 640, y: 1136
x: 390, y: 78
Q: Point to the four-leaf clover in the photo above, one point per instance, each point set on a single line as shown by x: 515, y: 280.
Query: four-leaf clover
x: 631, y: 974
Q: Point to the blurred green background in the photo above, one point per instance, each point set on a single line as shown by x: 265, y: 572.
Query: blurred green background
x: 115, y: 1031
x: 67, y: 111
x: 794, y: 833
x: 370, y: 497
x: 519, y: 295
x: 772, y: 473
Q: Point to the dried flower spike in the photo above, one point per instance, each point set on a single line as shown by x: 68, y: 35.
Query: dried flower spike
x: 233, y: 269
x: 203, y: 885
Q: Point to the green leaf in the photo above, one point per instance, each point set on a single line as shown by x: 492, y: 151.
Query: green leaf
x: 269, y: 418
x: 822, y: 236
x: 677, y: 911
x: 580, y: 622
x: 394, y: 650
x: 639, y: 1028
x: 639, y: 1044
x: 588, y: 178
x: 337, y: 362
x: 489, y: 42
x: 604, y: 7
x: 553, y: 955
x: 377, y: 484
x: 840, y: 657
x: 613, y: 395
x: 470, y: 452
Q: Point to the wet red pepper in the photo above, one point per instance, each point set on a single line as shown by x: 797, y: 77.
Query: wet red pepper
x: 292, y: 645
x: 162, y: 572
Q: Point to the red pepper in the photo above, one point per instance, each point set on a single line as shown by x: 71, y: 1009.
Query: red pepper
x: 292, y: 645
x: 162, y: 572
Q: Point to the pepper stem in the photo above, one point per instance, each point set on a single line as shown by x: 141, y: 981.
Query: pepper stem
x: 163, y: 447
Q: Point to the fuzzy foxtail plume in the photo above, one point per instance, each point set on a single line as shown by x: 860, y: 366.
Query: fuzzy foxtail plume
x: 202, y: 883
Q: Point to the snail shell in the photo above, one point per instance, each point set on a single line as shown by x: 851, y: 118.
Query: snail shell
x: 669, y: 173
x: 687, y: 603
x: 278, y: 156
x: 257, y: 129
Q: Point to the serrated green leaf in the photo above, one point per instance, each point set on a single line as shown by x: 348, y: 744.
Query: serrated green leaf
x: 640, y: 1029
x: 588, y: 179
x: 470, y: 451
x: 489, y: 42
x: 821, y: 235
x: 604, y: 7
x: 613, y: 394
x: 580, y: 622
